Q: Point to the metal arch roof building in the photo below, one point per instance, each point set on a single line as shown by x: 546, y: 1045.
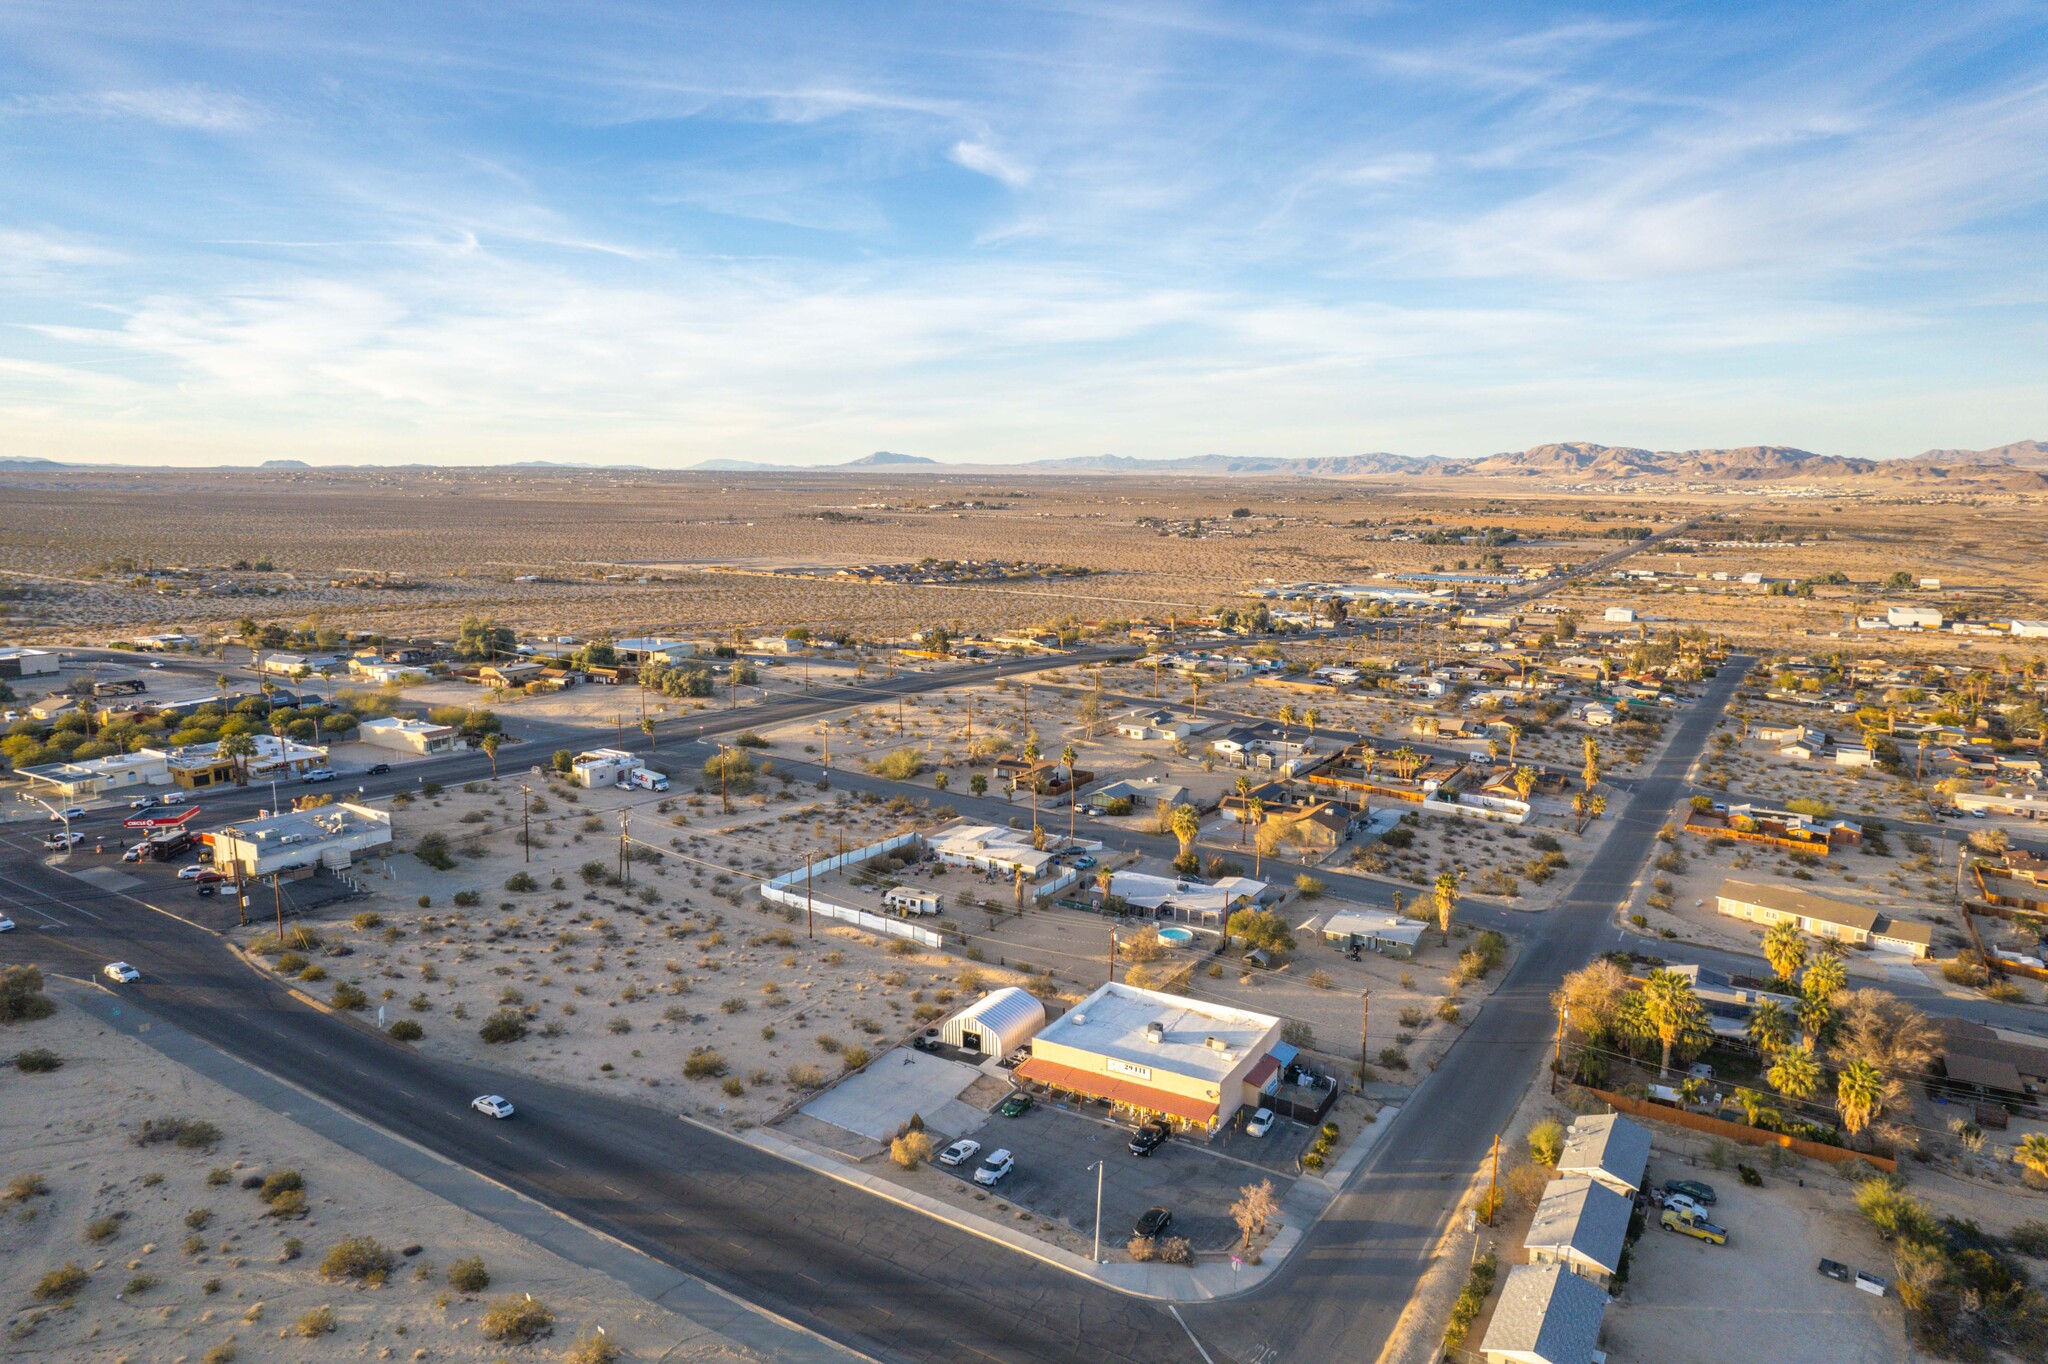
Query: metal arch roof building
x: 1004, y: 1020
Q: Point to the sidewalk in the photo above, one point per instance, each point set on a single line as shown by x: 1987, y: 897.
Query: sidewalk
x: 712, y: 1316
x: 1206, y: 1280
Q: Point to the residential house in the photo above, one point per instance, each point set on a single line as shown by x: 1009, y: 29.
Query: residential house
x: 508, y: 674
x: 1767, y: 904
x: 1161, y: 726
x: 1545, y: 1315
x: 404, y: 735
x: 1379, y: 931
x: 1582, y: 1225
x: 1607, y: 1149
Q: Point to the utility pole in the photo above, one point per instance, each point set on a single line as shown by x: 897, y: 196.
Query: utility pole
x: 277, y: 899
x: 1364, y: 1032
x: 1112, y: 951
x: 525, y: 820
x: 1493, y: 1197
x: 1557, y: 1053
x: 625, y: 863
x: 810, y: 922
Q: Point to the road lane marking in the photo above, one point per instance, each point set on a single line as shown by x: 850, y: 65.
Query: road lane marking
x: 1191, y: 1335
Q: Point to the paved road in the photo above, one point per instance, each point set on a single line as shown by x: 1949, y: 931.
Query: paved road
x: 1352, y: 1277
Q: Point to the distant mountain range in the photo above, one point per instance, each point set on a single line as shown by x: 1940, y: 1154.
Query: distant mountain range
x: 2019, y: 467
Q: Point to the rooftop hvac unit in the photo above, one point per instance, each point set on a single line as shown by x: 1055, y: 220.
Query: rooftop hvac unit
x: 1155, y: 1033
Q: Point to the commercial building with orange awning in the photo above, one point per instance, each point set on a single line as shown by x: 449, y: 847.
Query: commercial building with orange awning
x: 1156, y: 1055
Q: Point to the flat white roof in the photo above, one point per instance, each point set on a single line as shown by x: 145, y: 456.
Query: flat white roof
x: 1111, y: 1022
x: 1149, y: 892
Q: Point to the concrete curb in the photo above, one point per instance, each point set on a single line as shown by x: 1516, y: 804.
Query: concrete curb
x: 1301, y: 1208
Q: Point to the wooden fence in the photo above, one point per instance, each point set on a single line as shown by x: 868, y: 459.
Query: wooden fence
x: 1735, y: 1131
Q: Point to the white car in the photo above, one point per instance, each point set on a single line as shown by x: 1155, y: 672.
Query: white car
x: 1684, y: 1204
x: 68, y: 813
x: 59, y: 842
x: 6, y: 924
x: 194, y: 872
x: 993, y: 1169
x: 155, y: 664
x: 960, y: 1152
x: 123, y: 972
x: 1259, y: 1123
x: 142, y: 802
x: 492, y: 1105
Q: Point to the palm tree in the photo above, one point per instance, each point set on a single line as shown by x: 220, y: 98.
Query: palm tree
x: 240, y: 748
x: 1673, y: 1011
x: 1285, y: 716
x: 490, y: 742
x: 1514, y: 733
x: 1825, y: 978
x: 1795, y: 1074
x: 1031, y: 756
x: 1255, y: 810
x: 1814, y: 1016
x: 1592, y: 770
x: 1244, y: 792
x: 1785, y: 949
x: 1751, y: 1102
x: 1104, y: 879
x: 221, y: 681
x: 2032, y: 1153
x: 1311, y: 717
x: 1859, y: 1095
x: 1446, y: 892
x: 1186, y: 823
x: 647, y: 728
x: 1525, y: 782
x: 1597, y: 806
x: 1067, y: 757
x: 1406, y: 762
x: 1770, y: 1027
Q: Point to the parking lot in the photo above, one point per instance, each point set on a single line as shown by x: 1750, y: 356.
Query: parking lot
x: 1057, y: 1148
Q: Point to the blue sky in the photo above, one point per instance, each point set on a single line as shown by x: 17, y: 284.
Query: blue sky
x: 659, y: 233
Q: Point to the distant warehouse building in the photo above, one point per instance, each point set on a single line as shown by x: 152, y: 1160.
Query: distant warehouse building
x: 1153, y: 1055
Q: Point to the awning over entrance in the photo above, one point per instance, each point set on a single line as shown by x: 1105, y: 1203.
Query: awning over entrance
x: 1129, y: 1093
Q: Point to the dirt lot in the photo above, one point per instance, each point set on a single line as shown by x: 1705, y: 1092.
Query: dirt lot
x: 1759, y: 1296
x: 189, y: 1258
x: 618, y: 986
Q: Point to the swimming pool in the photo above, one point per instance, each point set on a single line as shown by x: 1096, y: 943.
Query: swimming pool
x: 1179, y: 937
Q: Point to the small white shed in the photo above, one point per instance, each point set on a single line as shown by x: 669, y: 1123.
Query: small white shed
x: 996, y: 1024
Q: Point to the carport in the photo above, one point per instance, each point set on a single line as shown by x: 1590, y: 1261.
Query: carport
x: 997, y: 1024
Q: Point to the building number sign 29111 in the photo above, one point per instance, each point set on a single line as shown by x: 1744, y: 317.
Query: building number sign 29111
x: 1127, y: 1068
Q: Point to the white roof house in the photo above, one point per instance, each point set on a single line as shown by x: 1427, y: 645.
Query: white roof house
x: 1161, y: 725
x: 1545, y: 1316
x: 642, y: 648
x: 990, y: 847
x: 1185, y: 899
x: 997, y: 1024
x: 96, y: 776
x: 1913, y: 617
x: 407, y: 736
x: 1377, y: 929
x: 602, y: 767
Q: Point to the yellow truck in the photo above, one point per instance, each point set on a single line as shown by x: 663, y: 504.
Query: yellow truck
x: 1693, y: 1222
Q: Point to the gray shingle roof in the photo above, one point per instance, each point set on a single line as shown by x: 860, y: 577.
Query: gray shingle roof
x: 1609, y: 1148
x: 1590, y: 1218
x: 1547, y: 1311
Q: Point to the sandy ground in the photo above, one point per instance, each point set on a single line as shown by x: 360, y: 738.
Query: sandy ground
x: 621, y: 987
x: 194, y: 1261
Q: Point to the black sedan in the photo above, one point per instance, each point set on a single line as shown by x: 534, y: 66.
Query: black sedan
x: 1153, y: 1223
x: 1148, y: 1138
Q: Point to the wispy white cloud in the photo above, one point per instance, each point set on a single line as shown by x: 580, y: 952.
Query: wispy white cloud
x: 986, y: 160
x: 191, y: 107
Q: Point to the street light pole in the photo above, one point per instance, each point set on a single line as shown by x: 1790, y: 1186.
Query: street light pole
x: 1099, y: 1165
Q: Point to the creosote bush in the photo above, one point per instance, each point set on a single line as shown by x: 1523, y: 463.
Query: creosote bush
x: 504, y: 1025
x: 358, y: 1258
x: 517, y: 1321
x: 65, y: 1282
x: 468, y: 1275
